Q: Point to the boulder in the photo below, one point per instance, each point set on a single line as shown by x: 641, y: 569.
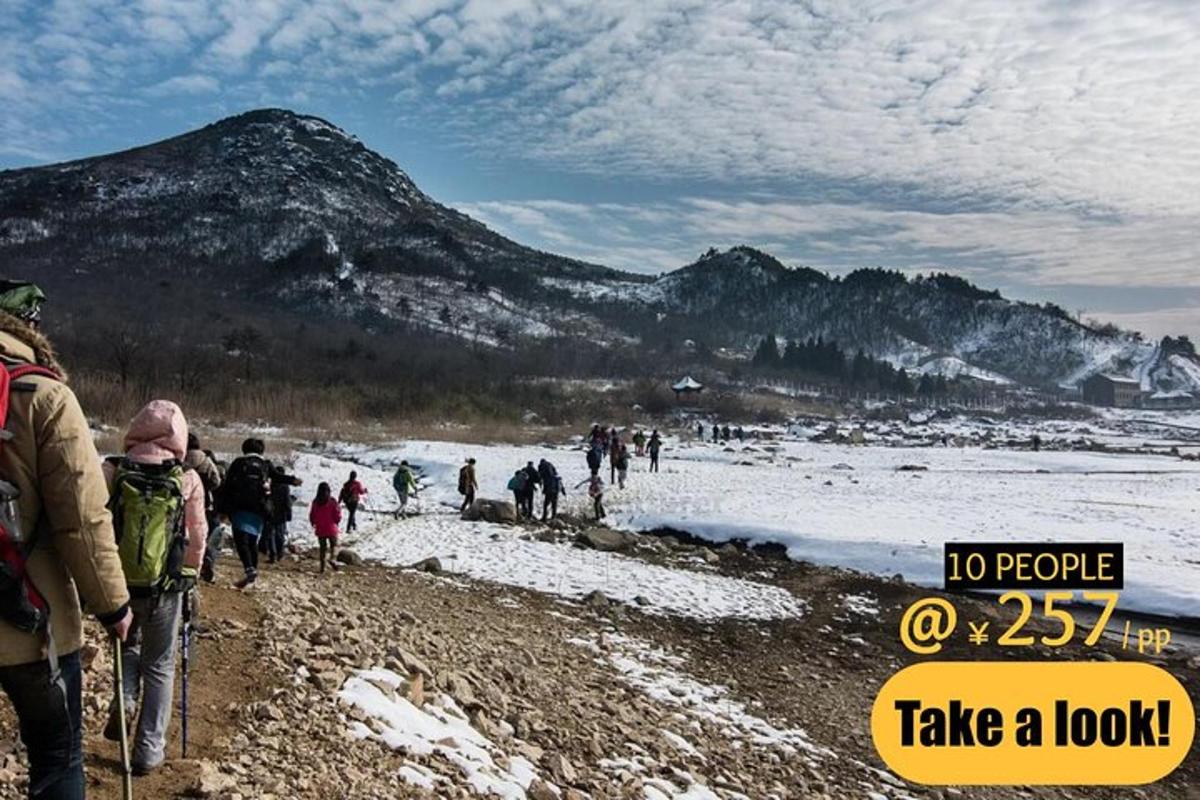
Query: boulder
x: 540, y: 790
x: 431, y: 565
x: 558, y: 766
x: 501, y: 511
x: 605, y: 541
x: 347, y: 556
x: 210, y: 781
x: 709, y: 556
x: 596, y: 599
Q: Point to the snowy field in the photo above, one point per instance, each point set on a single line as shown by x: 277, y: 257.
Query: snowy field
x: 831, y: 504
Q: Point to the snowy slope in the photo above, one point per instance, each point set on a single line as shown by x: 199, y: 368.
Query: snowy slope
x: 831, y: 504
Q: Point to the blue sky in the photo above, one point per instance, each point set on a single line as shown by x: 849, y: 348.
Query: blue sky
x: 1048, y: 149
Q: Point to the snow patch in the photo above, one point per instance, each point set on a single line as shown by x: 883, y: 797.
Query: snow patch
x: 439, y: 728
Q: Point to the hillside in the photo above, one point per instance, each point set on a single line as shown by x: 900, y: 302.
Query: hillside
x: 275, y: 210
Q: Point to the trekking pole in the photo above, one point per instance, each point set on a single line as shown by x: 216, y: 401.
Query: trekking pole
x: 186, y: 636
x: 119, y: 680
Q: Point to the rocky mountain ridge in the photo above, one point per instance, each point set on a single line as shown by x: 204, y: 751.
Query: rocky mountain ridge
x: 292, y: 211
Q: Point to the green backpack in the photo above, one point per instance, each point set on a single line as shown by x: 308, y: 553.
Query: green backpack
x: 147, y: 507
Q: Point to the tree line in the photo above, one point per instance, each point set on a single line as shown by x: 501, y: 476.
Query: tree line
x: 815, y: 356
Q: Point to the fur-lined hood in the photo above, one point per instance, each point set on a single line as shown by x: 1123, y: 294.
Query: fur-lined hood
x: 21, y: 341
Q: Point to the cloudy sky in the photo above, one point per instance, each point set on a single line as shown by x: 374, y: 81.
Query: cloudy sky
x: 1049, y: 149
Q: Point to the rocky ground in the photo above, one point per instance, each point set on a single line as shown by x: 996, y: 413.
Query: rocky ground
x: 375, y: 682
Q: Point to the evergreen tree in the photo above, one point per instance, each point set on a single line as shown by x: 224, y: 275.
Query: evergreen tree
x: 767, y: 354
x: 860, y: 368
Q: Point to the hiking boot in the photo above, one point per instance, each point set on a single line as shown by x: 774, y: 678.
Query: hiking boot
x: 112, y: 729
x: 142, y: 770
x: 246, y: 581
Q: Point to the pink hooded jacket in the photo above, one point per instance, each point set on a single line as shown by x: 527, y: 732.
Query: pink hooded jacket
x: 325, y: 518
x: 159, y: 433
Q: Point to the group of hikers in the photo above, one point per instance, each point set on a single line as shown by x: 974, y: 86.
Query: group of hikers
x: 129, y: 537
x: 600, y: 443
x: 723, y: 433
x: 126, y: 538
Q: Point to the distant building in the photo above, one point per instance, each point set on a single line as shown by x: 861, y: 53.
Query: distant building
x: 1170, y: 400
x: 1112, y: 390
x: 687, y: 386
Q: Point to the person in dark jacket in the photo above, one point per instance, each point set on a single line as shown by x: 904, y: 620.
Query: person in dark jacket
x: 533, y: 481
x: 593, y: 460
x: 468, y: 484
x: 621, y: 462
x: 596, y: 437
x: 653, y: 447
x: 350, y: 496
x: 552, y: 487
x: 281, y: 512
x: 245, y: 494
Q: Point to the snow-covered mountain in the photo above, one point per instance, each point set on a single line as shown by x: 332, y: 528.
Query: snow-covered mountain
x: 289, y: 210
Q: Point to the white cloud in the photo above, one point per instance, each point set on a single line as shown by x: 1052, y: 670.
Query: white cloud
x: 1158, y: 323
x: 185, y: 84
x: 1042, y: 247
x: 1056, y: 140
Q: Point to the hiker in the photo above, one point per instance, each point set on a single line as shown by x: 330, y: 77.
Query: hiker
x: 614, y: 454
x: 725, y: 434
x: 593, y: 460
x: 245, y: 499
x: 596, y: 437
x: 352, y: 492
x: 516, y: 485
x: 55, y: 528
x: 325, y: 514
x: 700, y: 431
x: 199, y: 461
x: 161, y: 531
x: 467, y: 484
x: 552, y: 487
x: 639, y: 443
x: 595, y: 486
x: 531, y: 484
x: 622, y: 464
x: 739, y: 433
x: 405, y: 484
x: 281, y: 512
x: 1036, y: 442
x: 716, y: 433
x: 654, y: 446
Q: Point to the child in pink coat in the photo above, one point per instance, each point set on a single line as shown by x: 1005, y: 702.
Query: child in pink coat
x: 325, y: 514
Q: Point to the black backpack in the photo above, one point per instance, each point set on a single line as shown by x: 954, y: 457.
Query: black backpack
x: 245, y: 486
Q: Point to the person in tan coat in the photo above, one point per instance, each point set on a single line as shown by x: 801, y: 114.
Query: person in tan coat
x: 52, y: 461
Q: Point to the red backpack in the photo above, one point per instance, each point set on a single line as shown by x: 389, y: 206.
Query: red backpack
x: 21, y: 605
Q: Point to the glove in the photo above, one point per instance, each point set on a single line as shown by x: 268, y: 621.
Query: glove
x: 182, y: 581
x: 118, y: 622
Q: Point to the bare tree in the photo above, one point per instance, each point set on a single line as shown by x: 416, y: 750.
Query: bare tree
x: 125, y: 345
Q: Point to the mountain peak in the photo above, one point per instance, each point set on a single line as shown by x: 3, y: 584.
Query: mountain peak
x: 281, y: 117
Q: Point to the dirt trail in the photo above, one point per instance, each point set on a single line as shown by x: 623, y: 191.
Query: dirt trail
x: 600, y: 699
x: 226, y: 674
